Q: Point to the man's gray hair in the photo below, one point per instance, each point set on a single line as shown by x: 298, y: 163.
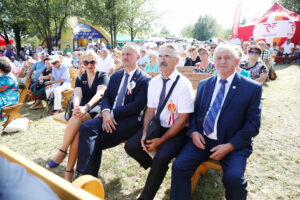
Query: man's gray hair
x: 227, y: 47
x: 134, y: 46
x: 172, y: 47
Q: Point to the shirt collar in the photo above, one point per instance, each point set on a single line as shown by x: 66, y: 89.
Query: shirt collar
x: 229, y: 79
x: 131, y: 73
x: 172, y: 76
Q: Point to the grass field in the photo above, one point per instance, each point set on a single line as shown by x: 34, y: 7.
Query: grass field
x: 273, y: 169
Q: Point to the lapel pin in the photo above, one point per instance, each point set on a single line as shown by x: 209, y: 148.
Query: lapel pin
x: 234, y: 87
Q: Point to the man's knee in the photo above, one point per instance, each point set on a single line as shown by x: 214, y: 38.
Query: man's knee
x: 233, y: 179
x: 131, y: 147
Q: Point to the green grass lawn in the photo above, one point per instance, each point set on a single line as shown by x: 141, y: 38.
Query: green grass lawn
x: 273, y: 169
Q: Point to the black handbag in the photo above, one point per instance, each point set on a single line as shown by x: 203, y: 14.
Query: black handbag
x: 154, y: 125
x: 69, y: 109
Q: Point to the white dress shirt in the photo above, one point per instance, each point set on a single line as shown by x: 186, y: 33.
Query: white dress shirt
x: 105, y: 65
x: 213, y: 135
x: 182, y: 96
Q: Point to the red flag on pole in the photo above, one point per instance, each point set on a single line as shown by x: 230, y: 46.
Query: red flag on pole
x: 236, y: 19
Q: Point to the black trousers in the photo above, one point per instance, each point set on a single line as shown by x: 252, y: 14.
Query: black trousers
x: 159, y: 164
x: 92, y: 140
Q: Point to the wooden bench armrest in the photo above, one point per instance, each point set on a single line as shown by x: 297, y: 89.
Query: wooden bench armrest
x: 12, y: 106
x: 90, y: 184
x: 60, y: 118
x: 64, y: 189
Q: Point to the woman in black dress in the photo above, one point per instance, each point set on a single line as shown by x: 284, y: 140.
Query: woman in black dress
x: 89, y: 88
x: 193, y: 58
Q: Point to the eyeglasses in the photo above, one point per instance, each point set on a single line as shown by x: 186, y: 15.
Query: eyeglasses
x: 165, y: 57
x: 213, y: 47
x: 254, y: 52
x: 86, y: 62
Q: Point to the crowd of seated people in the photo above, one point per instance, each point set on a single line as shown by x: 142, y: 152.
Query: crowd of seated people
x: 103, y: 110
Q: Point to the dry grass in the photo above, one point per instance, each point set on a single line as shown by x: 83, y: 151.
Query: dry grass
x: 273, y: 170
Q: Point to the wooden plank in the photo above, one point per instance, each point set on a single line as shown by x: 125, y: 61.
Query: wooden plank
x: 64, y: 189
x: 185, y: 69
x: 60, y: 118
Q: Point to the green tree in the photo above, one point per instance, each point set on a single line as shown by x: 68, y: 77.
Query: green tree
x: 165, y: 31
x: 292, y: 5
x: 140, y: 17
x: 205, y: 28
x: 110, y: 14
x: 12, y: 23
x: 47, y: 17
x: 187, y: 31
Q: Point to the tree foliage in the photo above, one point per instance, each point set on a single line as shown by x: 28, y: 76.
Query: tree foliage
x: 140, y: 17
x: 292, y: 5
x: 205, y: 28
x: 187, y: 31
x: 11, y: 22
x: 108, y: 13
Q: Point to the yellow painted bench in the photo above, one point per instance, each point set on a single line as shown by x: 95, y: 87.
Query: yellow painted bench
x: 13, y: 111
x: 68, y: 93
x: 83, y: 188
x: 202, y: 170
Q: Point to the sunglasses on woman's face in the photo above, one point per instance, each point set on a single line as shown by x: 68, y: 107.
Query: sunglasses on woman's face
x: 86, y: 62
x: 254, y: 52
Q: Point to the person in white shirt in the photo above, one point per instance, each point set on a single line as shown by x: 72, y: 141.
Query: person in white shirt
x: 288, y: 49
x: 106, y: 63
x: 173, y: 120
x: 235, y: 40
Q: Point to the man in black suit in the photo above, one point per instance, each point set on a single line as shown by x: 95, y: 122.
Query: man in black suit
x: 123, y: 101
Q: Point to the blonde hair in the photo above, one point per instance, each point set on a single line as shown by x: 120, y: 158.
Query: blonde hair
x: 90, y: 53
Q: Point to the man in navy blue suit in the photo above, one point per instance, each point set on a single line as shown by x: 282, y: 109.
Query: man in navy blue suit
x: 226, y: 118
x: 122, y: 104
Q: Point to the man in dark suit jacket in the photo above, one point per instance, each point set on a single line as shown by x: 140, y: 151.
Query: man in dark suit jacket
x: 226, y: 117
x: 122, y: 104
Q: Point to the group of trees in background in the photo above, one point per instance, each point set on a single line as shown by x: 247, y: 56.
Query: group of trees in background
x: 46, y: 18
x: 205, y: 28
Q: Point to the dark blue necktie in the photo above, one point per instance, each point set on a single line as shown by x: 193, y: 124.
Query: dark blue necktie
x: 210, y: 119
x: 122, y: 92
x: 163, y: 92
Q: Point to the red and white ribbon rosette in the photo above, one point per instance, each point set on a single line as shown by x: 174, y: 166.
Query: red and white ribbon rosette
x: 172, y: 109
x: 130, y: 87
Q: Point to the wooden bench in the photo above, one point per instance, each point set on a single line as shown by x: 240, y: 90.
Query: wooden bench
x: 195, y: 78
x: 185, y: 69
x: 60, y: 118
x: 85, y: 187
x: 13, y: 110
x: 68, y: 93
x: 202, y: 170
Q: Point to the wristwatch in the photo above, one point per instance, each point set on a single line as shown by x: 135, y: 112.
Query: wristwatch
x: 88, y: 106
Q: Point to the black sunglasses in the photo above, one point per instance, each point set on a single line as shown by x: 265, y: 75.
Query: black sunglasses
x: 254, y: 52
x: 86, y: 62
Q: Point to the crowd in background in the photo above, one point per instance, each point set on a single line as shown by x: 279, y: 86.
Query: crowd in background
x: 44, y: 70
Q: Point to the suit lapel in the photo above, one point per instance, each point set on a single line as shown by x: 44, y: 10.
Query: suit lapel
x: 134, y: 78
x: 118, y: 82
x: 231, y: 92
